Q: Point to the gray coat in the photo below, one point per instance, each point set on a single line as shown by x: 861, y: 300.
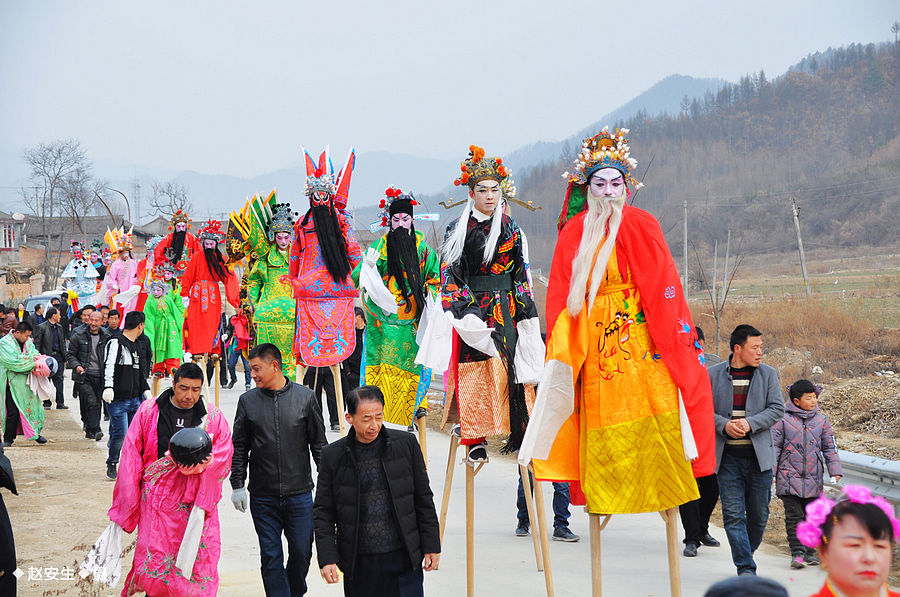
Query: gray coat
x: 765, y: 407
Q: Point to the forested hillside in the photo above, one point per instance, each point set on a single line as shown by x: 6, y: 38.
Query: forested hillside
x: 824, y: 133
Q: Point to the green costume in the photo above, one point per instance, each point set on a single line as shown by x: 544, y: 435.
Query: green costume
x: 16, y: 362
x: 390, y: 344
x: 163, y: 324
x: 275, y: 308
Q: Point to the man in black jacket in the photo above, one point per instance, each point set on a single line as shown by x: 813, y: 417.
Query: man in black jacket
x: 125, y: 371
x: 374, y: 510
x: 87, y: 346
x: 50, y: 340
x: 277, y: 426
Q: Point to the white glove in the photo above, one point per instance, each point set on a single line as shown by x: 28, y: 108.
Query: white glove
x: 185, y: 300
x: 147, y: 395
x: 187, y: 357
x: 224, y: 337
x: 239, y: 499
x: 371, y: 256
x: 108, y: 395
x: 476, y: 334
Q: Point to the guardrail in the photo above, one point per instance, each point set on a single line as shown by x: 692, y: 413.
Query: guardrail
x: 881, y: 476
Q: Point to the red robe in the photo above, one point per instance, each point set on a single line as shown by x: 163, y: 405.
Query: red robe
x: 640, y: 244
x: 204, y: 311
x: 192, y: 246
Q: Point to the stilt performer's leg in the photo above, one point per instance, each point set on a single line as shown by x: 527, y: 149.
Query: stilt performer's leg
x: 470, y: 530
x: 596, y: 526
x: 545, y: 539
x: 423, y: 442
x: 216, y: 365
x: 155, y: 385
x: 448, y: 482
x: 532, y: 517
x: 339, y: 396
x: 672, y: 543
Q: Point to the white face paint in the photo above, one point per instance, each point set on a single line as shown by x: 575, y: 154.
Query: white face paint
x: 607, y: 183
x: 283, y: 240
x: 157, y: 291
x: 209, y: 243
x: 180, y: 227
x: 401, y: 220
x: 486, y: 195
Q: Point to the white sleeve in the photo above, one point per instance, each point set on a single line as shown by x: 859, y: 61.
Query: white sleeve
x: 109, y: 362
x: 554, y: 403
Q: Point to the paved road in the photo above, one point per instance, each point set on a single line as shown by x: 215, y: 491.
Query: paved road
x: 634, y: 547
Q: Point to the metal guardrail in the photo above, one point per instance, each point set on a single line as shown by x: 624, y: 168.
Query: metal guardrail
x: 880, y: 475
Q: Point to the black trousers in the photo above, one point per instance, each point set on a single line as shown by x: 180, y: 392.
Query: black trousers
x: 695, y: 514
x: 58, y: 382
x: 90, y: 392
x: 7, y: 553
x: 11, y: 424
x: 795, y: 513
x: 325, y: 381
x: 385, y: 575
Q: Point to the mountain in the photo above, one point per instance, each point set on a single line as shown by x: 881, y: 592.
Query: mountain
x: 665, y: 97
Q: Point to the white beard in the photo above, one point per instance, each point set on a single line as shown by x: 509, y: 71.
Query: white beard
x: 601, y: 212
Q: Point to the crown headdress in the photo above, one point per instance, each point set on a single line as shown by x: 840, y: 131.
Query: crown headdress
x: 604, y: 150
x: 152, y: 242
x: 477, y: 168
x: 167, y: 267
x: 320, y: 178
x: 157, y: 279
x: 391, y: 196
x: 179, y: 217
x: 282, y: 221
x: 77, y: 245
x: 118, y: 240
x: 212, y: 231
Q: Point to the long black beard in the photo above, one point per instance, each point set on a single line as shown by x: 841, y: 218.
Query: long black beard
x: 176, y: 248
x: 331, y: 241
x: 216, y: 263
x: 403, y: 264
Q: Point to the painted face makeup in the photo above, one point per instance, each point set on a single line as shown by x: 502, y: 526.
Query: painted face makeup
x: 486, y: 195
x: 607, y: 183
x: 209, y: 243
x: 180, y: 227
x: 167, y: 275
x: 401, y: 221
x: 157, y: 291
x: 283, y: 240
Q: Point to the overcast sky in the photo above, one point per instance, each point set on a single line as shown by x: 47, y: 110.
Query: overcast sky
x: 238, y: 87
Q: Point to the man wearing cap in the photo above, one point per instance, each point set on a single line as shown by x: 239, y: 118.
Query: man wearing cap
x: 173, y: 506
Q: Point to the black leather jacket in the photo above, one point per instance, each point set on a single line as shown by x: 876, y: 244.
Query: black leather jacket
x: 79, y: 353
x: 276, y: 432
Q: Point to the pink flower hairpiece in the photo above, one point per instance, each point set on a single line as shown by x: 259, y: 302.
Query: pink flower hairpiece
x: 809, y: 532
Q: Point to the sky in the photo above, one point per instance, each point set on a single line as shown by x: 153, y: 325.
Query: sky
x: 238, y: 87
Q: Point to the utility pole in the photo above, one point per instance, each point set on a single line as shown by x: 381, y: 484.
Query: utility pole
x: 685, y: 284
x: 715, y: 296
x: 796, y: 212
x: 136, y: 193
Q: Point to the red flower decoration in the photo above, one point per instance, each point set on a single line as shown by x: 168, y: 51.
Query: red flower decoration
x: 319, y: 172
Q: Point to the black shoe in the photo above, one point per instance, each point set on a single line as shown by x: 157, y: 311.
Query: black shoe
x: 231, y: 384
x: 478, y: 453
x: 98, y: 436
x: 420, y: 412
x: 336, y: 427
x: 41, y: 439
x: 7, y: 444
x: 47, y: 404
x: 522, y: 529
x: 797, y: 561
x: 690, y: 550
x: 746, y: 572
x: 62, y: 407
x: 811, y: 559
x: 106, y: 417
x: 246, y: 387
x: 709, y: 541
x: 564, y: 534
x: 111, y: 471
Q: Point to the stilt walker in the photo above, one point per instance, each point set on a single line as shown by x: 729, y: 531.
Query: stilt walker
x: 201, y: 297
x: 81, y: 277
x: 398, y: 276
x: 323, y: 253
x: 164, y: 323
x: 121, y: 285
x: 497, y: 351
x: 624, y: 407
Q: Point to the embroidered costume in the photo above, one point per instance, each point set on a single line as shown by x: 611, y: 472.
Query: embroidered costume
x: 164, y: 320
x: 120, y: 287
x: 394, y: 295
x: 179, y: 245
x: 16, y: 365
x: 323, y: 254
x: 618, y: 365
x: 81, y: 276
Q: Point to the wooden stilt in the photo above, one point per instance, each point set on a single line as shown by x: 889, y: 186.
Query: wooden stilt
x: 448, y: 482
x: 155, y: 390
x: 421, y: 423
x: 339, y: 396
x: 532, y: 517
x: 542, y: 531
x: 216, y: 365
x: 670, y: 516
x: 596, y: 527
x: 301, y: 373
x: 470, y: 530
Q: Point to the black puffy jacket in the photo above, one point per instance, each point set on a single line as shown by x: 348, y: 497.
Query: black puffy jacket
x: 79, y: 352
x: 336, y: 509
x: 277, y: 431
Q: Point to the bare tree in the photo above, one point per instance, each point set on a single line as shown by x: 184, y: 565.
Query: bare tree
x: 895, y: 29
x: 61, y: 183
x: 168, y: 197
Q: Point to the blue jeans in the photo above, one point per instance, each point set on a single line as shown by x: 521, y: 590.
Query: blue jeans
x: 120, y: 414
x: 293, y: 516
x: 232, y: 363
x: 560, y: 504
x: 745, y: 492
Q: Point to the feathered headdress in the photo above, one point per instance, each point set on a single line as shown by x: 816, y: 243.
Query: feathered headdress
x: 118, y: 240
x: 212, y: 231
x: 322, y: 185
x: 152, y: 242
x: 179, y: 217
x: 282, y: 221
x: 477, y: 168
x: 77, y: 245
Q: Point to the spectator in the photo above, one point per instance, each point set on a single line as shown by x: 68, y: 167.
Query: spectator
x: 85, y: 358
x: 50, y: 340
x: 746, y: 587
x: 374, y: 510
x: 802, y: 439
x: 561, y: 514
x: 84, y: 316
x: 114, y: 318
x: 351, y: 366
x: 237, y: 335
x: 2, y: 311
x: 57, y: 304
x: 23, y: 407
x: 125, y: 371
x: 38, y: 317
x: 104, y: 310
x: 747, y: 403
x: 21, y: 313
x: 7, y: 545
x: 196, y: 489
x: 695, y: 514
x: 275, y: 419
x: 8, y: 324
x: 321, y: 378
